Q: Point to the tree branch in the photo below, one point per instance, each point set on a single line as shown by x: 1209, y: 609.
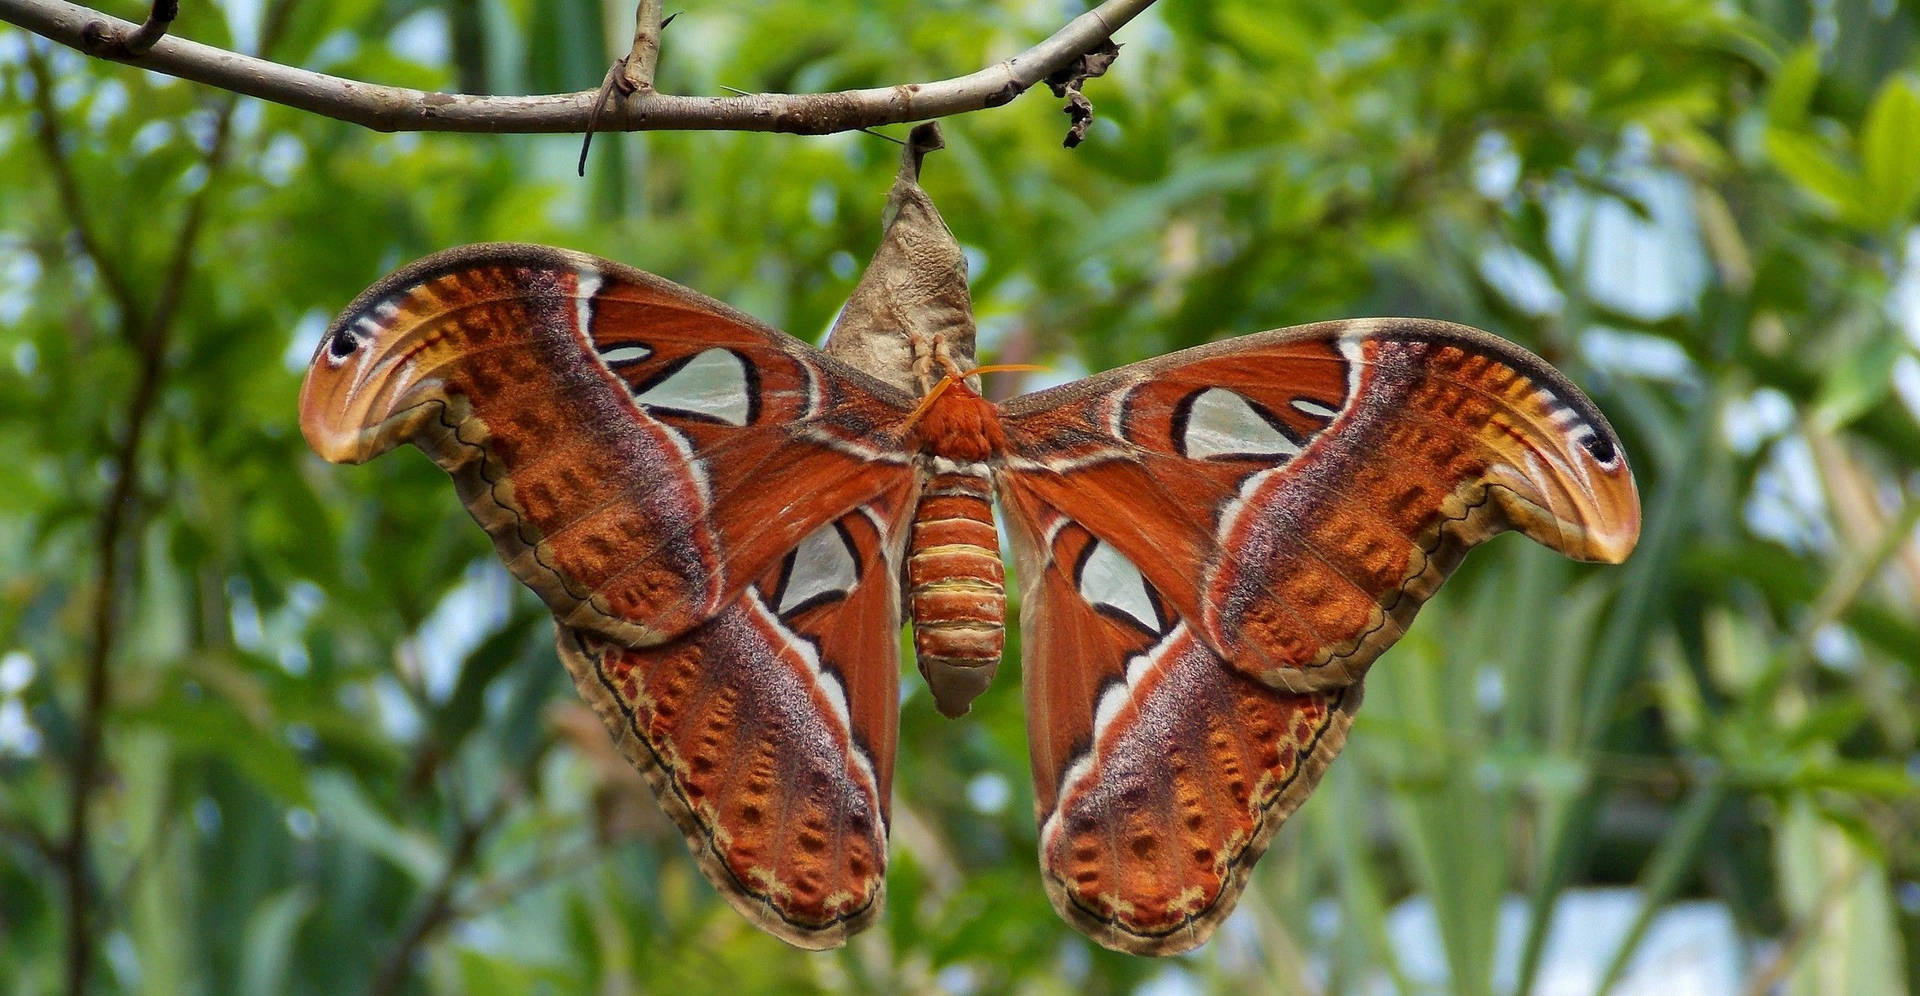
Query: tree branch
x: 387, y: 108
x: 151, y: 334
x: 53, y: 145
x: 643, y: 59
x: 630, y: 73
x: 115, y: 523
x: 102, y: 40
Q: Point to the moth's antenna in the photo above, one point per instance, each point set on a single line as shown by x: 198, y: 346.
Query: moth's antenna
x: 913, y: 418
x: 1002, y: 368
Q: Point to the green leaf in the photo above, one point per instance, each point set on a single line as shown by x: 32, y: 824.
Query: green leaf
x: 211, y: 729
x: 1808, y: 162
x: 1890, y: 152
x: 1793, y: 85
x: 1861, y: 380
x: 267, y: 949
x: 1885, y: 780
x: 341, y: 805
x: 1842, y: 895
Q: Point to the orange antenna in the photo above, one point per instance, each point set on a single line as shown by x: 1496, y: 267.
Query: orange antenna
x: 994, y: 368
x: 927, y: 402
x: 954, y: 376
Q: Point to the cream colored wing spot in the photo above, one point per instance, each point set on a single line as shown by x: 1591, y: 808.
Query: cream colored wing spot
x: 822, y: 568
x: 586, y: 284
x: 1109, y: 582
x: 1219, y: 423
x: 1317, y: 409
x: 716, y: 384
x: 619, y: 356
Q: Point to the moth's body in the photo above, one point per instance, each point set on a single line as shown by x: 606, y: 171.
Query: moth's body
x: 1213, y: 548
x: 956, y: 583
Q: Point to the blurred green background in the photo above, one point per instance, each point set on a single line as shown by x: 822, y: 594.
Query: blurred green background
x: 329, y: 747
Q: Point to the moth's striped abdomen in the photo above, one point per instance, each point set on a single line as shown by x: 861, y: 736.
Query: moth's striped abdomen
x: 956, y: 584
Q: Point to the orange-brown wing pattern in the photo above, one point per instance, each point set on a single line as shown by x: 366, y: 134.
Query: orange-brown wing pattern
x: 638, y: 452
x: 768, y: 732
x: 1296, y: 495
x: 1160, y: 771
x: 1213, y: 545
x: 714, y: 512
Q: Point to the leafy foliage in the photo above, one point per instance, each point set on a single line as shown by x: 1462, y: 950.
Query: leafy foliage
x: 336, y: 751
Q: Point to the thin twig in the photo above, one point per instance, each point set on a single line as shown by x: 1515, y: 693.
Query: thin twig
x: 736, y: 91
x: 115, y: 520
x: 53, y: 143
x: 629, y: 74
x: 643, y: 59
x: 103, y: 41
x: 438, y: 909
x: 401, y: 109
x: 489, y: 895
x: 34, y: 838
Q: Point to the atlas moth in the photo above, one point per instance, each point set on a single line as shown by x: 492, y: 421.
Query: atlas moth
x: 728, y: 524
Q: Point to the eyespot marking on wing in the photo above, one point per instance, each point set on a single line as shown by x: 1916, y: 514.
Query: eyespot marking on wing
x: 1216, y: 422
x: 1599, y: 447
x: 717, y: 384
x: 822, y: 568
x: 353, y: 332
x: 341, y: 345
x: 1571, y: 419
x: 1111, y: 584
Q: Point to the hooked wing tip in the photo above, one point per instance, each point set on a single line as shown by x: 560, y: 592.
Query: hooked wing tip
x: 321, y: 423
x: 1610, y: 526
x: 343, y: 431
x: 1613, y: 544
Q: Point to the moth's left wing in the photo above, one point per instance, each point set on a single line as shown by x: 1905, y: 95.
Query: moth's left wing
x: 1160, y: 770
x: 768, y: 732
x: 1295, y: 495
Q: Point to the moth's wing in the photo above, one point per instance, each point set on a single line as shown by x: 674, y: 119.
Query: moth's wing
x: 1212, y: 548
x: 1295, y: 495
x: 1160, y: 770
x: 638, y: 452
x: 768, y: 732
